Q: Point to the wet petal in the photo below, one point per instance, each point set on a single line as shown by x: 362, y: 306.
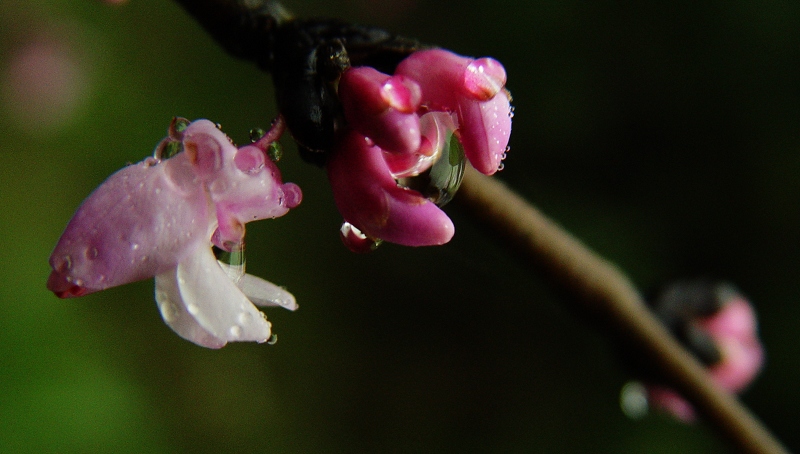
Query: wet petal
x: 382, y: 108
x: 137, y: 224
x: 264, y: 293
x: 369, y: 198
x: 206, y: 304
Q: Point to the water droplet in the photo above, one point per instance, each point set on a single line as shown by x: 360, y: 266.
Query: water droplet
x: 92, y: 253
x: 275, y: 152
x: 168, y: 311
x: 355, y: 240
x: 193, y: 309
x: 244, y: 318
x: 177, y: 127
x: 633, y: 400
x: 68, y: 262
x: 134, y: 246
x: 441, y: 181
x: 235, y: 331
x: 256, y: 133
x: 273, y: 339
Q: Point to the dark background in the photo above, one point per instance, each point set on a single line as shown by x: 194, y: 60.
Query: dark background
x: 663, y: 134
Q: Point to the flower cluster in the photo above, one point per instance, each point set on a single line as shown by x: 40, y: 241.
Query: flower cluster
x: 159, y: 218
x: 717, y: 324
x: 402, y: 153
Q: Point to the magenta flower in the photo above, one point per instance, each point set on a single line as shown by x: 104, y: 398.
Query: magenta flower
x: 401, y: 155
x: 160, y: 217
x: 735, y: 333
x: 731, y: 349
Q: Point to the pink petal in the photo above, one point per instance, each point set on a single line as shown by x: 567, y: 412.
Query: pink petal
x: 368, y: 197
x: 382, y: 108
x: 453, y: 83
x: 137, y: 224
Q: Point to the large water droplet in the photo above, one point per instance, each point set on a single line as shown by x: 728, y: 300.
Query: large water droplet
x: 356, y: 241
x: 441, y: 181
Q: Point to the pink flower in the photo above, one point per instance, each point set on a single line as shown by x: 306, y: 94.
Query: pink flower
x: 160, y: 217
x: 733, y: 333
x: 401, y: 155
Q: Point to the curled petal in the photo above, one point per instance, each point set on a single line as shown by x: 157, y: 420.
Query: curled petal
x: 264, y: 293
x: 369, y: 198
x: 198, y: 301
x: 458, y: 84
x: 382, y: 108
x: 485, y: 128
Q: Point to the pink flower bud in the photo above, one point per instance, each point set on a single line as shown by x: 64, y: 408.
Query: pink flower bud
x: 382, y: 108
x: 370, y: 199
x: 400, y: 127
x: 473, y: 89
x: 718, y: 320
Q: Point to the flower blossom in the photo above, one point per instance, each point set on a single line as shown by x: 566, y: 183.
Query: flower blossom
x: 401, y: 155
x: 719, y: 326
x: 159, y: 218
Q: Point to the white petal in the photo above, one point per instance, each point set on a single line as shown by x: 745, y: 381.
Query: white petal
x: 213, y: 302
x: 173, y: 311
x: 264, y: 293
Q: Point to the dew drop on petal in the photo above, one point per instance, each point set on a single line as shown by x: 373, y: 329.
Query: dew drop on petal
x: 484, y: 78
x: 193, y: 309
x: 355, y: 240
x: 168, y: 311
x: 273, y: 339
x: 244, y: 318
x: 442, y: 179
x: 235, y: 331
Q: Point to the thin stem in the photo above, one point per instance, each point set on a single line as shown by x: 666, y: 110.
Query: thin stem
x: 601, y: 290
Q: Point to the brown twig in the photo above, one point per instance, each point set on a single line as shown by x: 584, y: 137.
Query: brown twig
x: 601, y: 290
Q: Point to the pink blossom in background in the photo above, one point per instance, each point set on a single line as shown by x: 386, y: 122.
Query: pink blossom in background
x: 43, y: 83
x: 159, y: 218
x: 734, y: 332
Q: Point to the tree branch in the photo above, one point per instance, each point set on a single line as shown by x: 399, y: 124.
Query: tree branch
x: 602, y: 291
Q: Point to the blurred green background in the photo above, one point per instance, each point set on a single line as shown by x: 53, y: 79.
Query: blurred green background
x: 666, y: 135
